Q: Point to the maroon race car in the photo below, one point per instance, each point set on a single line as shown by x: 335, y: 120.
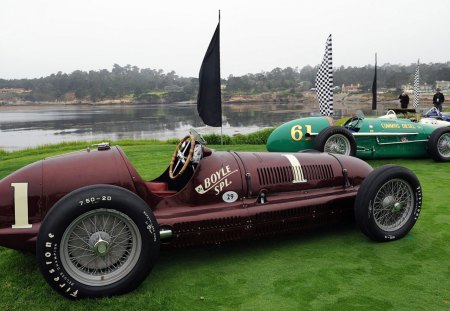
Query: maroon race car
x: 97, y: 226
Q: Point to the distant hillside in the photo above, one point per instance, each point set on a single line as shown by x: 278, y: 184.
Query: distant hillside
x: 130, y: 84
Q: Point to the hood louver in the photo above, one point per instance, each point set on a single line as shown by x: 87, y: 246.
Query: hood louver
x: 285, y: 174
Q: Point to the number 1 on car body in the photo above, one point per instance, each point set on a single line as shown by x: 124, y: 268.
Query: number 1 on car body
x: 20, y: 206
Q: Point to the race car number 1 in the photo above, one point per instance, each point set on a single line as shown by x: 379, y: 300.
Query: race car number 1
x: 20, y: 206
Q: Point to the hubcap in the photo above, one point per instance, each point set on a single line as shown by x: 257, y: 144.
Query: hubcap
x: 388, y: 202
x: 397, y: 207
x: 335, y: 148
x: 100, y: 243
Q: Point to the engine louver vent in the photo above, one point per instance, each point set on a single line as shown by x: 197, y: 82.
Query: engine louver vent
x: 301, y: 219
x: 208, y: 232
x: 210, y: 224
x: 275, y: 175
x: 285, y: 174
x: 318, y: 172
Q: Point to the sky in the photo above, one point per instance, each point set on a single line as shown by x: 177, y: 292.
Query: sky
x: 41, y: 37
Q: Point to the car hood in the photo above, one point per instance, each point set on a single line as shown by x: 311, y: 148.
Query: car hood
x: 297, y: 134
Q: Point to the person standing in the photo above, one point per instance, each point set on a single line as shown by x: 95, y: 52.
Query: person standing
x: 404, y: 100
x: 438, y: 99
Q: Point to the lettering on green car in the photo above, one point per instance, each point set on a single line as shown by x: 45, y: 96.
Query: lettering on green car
x: 408, y: 126
x: 390, y: 125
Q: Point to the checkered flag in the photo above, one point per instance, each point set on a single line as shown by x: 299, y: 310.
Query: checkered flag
x: 416, y: 86
x: 324, y: 81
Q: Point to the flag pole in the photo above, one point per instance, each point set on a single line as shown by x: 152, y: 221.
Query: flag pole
x: 209, y: 97
x: 221, y: 121
x: 374, y: 86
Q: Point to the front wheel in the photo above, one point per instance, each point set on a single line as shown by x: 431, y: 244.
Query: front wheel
x: 388, y: 203
x: 336, y: 139
x: 439, y: 144
x: 97, y: 241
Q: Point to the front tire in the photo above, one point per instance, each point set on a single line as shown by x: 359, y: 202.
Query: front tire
x: 336, y: 139
x: 439, y: 144
x: 388, y: 203
x: 97, y: 241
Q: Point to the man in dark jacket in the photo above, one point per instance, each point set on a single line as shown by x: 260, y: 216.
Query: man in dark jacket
x: 404, y: 100
x: 438, y: 99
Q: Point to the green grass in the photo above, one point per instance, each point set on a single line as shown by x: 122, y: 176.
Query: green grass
x: 333, y: 269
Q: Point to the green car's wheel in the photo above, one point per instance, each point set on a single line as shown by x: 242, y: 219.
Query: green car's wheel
x: 388, y: 203
x: 336, y: 139
x: 439, y: 144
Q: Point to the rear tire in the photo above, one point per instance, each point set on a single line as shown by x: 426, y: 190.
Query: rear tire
x: 388, y: 203
x: 97, y: 241
x: 439, y: 144
x: 336, y: 139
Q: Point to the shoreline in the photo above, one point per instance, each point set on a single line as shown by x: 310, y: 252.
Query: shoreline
x: 341, y: 101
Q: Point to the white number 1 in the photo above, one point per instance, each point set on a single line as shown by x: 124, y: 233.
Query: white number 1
x: 20, y: 205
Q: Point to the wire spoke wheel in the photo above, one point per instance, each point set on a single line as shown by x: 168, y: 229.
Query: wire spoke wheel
x: 97, y: 241
x: 337, y: 140
x: 439, y: 144
x: 393, y: 205
x: 100, y: 247
x: 388, y: 203
x: 443, y: 145
x: 337, y: 144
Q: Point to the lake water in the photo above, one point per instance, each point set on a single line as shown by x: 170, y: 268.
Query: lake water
x: 30, y: 126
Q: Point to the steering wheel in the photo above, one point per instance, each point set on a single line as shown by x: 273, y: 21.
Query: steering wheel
x: 353, y: 122
x: 182, y: 155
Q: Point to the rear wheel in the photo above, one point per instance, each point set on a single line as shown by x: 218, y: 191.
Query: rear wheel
x: 439, y: 144
x: 336, y: 139
x: 97, y: 241
x: 388, y: 203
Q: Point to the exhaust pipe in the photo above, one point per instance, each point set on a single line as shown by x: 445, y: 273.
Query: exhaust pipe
x: 165, y: 234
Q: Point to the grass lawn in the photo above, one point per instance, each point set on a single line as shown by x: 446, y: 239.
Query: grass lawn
x: 332, y: 269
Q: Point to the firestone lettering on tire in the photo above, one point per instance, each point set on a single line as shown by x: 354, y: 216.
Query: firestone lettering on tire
x: 150, y: 227
x: 60, y: 279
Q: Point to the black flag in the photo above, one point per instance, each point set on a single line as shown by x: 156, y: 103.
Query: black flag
x: 209, y: 103
x: 374, y: 87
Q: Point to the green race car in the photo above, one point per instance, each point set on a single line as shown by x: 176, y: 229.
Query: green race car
x: 366, y: 138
